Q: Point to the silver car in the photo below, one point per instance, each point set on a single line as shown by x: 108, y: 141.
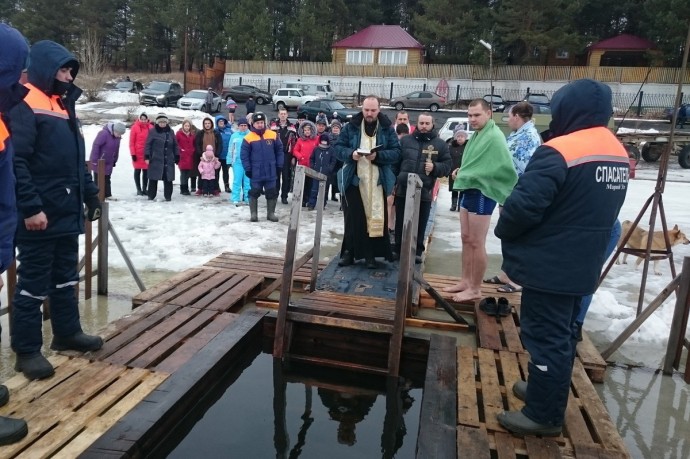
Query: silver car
x: 419, y: 99
x: 196, y: 100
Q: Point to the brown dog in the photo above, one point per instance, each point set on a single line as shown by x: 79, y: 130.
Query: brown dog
x: 638, y: 240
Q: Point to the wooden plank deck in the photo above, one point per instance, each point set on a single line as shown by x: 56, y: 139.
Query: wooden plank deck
x: 185, y: 333
x: 67, y: 412
x: 485, y: 379
x: 214, y: 289
x: 270, y: 268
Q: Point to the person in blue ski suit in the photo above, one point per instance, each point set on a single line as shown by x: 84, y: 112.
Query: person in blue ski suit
x: 240, y: 184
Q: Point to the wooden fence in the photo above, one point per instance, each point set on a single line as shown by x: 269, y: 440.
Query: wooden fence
x: 463, y: 72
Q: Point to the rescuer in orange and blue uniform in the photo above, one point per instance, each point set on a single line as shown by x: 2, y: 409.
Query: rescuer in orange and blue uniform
x: 554, y: 229
x: 262, y: 158
x: 13, y: 54
x: 53, y: 185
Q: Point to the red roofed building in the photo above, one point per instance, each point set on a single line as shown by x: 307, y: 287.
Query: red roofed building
x: 378, y: 44
x: 622, y: 51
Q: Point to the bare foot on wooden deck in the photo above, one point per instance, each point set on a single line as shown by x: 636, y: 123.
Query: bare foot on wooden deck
x: 467, y: 296
x: 459, y: 287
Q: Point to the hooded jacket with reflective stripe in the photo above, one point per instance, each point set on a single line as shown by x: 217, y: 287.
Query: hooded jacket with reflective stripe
x: 12, y: 59
x: 556, y: 223
x: 49, y: 146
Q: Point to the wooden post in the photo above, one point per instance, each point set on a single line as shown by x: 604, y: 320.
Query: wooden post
x: 679, y: 324
x: 405, y: 276
x: 317, y: 233
x: 102, y: 266
x: 88, y: 259
x: 281, y: 338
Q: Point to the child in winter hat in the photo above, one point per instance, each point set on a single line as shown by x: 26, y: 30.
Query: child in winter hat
x: 207, y: 169
x: 324, y: 141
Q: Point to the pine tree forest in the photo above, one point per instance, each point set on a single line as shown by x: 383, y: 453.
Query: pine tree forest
x: 149, y: 35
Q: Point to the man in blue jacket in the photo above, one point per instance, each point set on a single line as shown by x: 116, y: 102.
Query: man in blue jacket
x: 262, y: 158
x: 554, y: 229
x: 370, y: 153
x: 13, y: 54
x: 53, y: 185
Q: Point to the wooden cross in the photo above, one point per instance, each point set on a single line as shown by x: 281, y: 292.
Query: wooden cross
x: 429, y: 152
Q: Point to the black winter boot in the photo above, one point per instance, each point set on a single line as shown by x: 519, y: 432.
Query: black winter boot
x: 80, y: 341
x: 184, y: 190
x: 4, y: 395
x: 271, y: 209
x: 254, y: 209
x: 12, y: 430
x: 34, y: 366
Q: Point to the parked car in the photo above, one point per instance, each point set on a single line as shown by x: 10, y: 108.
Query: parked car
x: 162, y: 93
x: 446, y: 132
x: 668, y: 112
x: 332, y: 109
x: 290, y: 98
x: 241, y: 93
x: 419, y: 99
x: 196, y: 100
x: 320, y: 90
x: 538, y: 99
x: 497, y: 103
x: 129, y: 86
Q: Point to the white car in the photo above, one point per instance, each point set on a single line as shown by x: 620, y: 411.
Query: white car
x: 446, y: 132
x: 290, y: 98
x: 196, y: 100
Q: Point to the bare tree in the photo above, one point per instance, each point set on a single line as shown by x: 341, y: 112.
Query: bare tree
x: 92, y: 74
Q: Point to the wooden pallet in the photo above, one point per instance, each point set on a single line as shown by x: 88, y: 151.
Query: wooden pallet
x: 160, y: 337
x: 485, y: 379
x: 271, y: 268
x: 217, y: 290
x: 67, y: 412
x: 503, y: 334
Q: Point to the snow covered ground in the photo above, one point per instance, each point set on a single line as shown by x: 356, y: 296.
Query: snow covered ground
x: 190, y: 230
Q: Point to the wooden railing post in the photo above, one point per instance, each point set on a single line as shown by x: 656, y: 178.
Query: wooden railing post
x: 679, y: 325
x: 102, y: 283
x: 406, y: 274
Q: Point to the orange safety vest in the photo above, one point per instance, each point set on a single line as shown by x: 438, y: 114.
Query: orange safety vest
x: 4, y: 135
x: 586, y: 145
x: 43, y: 104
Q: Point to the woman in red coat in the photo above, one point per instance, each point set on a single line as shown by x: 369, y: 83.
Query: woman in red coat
x: 185, y: 142
x: 307, y: 141
x: 137, y: 142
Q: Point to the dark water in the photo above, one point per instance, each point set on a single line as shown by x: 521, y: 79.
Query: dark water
x: 262, y: 411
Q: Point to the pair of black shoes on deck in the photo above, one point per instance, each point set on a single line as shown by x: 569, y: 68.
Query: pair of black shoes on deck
x: 490, y: 306
x: 11, y: 430
x: 36, y: 366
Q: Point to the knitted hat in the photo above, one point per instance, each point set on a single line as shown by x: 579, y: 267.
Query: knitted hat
x: 161, y: 117
x: 336, y: 123
x: 208, y: 154
x: 143, y: 115
x: 242, y: 120
x: 324, y: 140
x: 119, y: 128
x: 322, y: 120
x: 461, y: 127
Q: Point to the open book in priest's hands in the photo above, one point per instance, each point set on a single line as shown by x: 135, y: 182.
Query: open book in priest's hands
x: 364, y: 152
